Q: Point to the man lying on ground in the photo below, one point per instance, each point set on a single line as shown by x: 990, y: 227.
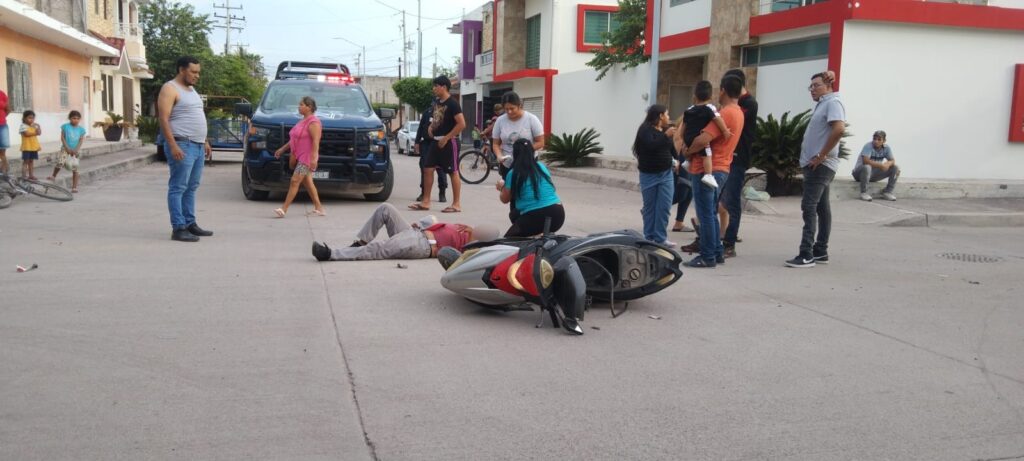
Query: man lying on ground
x: 419, y: 240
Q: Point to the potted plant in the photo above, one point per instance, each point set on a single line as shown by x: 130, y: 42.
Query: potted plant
x: 572, y: 150
x: 777, y: 151
x: 113, y: 126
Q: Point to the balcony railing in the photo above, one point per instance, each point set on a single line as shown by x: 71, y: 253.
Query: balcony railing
x: 127, y: 29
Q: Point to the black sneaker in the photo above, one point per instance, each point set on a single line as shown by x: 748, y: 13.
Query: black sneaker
x: 321, y: 251
x: 800, y: 261
x: 719, y: 259
x: 183, y: 235
x: 700, y: 263
x: 821, y: 258
x: 196, y: 230
x: 419, y: 198
x: 357, y: 244
x: 692, y: 247
x: 440, y: 197
x: 730, y: 251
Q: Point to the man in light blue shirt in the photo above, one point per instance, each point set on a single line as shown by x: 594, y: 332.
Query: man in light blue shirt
x: 876, y: 163
x: 819, y: 159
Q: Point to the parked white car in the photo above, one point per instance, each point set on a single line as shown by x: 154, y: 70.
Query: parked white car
x: 406, y: 137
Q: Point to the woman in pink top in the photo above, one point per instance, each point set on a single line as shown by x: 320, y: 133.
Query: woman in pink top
x: 304, y: 142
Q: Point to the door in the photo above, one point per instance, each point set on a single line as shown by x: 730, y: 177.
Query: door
x: 128, y: 99
x: 86, y: 113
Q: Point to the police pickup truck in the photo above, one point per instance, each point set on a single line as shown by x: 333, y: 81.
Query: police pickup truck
x: 354, y: 152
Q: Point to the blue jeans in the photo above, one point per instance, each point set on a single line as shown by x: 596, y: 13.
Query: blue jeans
x: 684, y: 194
x: 705, y: 201
x: 732, y: 198
x: 184, y: 180
x: 657, y: 190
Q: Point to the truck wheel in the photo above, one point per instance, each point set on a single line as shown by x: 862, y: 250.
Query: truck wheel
x: 248, y: 191
x: 389, y: 183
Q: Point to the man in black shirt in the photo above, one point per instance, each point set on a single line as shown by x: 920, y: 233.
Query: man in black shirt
x: 420, y: 143
x: 442, y: 145
x: 733, y: 190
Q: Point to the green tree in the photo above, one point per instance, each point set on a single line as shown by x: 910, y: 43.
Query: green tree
x: 170, y: 30
x: 625, y: 45
x: 414, y: 91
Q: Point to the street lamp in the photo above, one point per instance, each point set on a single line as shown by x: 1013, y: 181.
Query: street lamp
x: 362, y: 57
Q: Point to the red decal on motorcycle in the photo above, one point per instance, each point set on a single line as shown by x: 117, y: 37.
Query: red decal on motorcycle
x: 499, y: 275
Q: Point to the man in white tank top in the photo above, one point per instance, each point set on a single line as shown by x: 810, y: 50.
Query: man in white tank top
x: 183, y: 124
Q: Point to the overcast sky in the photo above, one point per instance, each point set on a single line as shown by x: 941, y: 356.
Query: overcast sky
x: 282, y: 30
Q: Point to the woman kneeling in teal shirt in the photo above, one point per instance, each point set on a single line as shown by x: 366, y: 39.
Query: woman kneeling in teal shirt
x: 529, y: 184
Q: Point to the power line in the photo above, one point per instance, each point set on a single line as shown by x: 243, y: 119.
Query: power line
x: 421, y: 17
x: 228, y: 18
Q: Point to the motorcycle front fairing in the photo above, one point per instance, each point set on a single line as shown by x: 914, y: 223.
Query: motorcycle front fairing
x: 467, y: 278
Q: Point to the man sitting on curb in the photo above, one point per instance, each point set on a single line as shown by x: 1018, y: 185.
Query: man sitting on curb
x: 876, y: 163
x: 419, y: 240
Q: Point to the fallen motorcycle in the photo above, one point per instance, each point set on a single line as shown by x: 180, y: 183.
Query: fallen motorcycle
x: 560, y: 274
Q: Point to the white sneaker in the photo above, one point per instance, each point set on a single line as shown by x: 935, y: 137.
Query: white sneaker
x: 888, y: 196
x: 686, y: 164
x: 709, y: 181
x: 669, y: 244
x: 865, y: 196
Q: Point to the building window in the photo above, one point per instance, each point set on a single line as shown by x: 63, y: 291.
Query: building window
x: 598, y: 23
x: 783, y: 5
x: 672, y: 3
x: 777, y: 53
x: 533, y: 42
x: 593, y: 22
x: 105, y: 9
x: 62, y: 78
x: 19, y: 85
x: 107, y: 95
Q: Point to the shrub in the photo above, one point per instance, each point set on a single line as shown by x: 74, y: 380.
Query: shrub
x: 572, y: 150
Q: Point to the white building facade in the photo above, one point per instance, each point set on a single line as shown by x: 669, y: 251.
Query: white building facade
x: 942, y: 78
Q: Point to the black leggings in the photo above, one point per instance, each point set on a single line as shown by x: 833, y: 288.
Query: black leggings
x: 532, y: 223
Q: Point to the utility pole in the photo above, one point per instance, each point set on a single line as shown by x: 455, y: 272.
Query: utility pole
x: 419, y: 38
x: 405, y: 47
x: 228, y: 18
x: 435, y: 62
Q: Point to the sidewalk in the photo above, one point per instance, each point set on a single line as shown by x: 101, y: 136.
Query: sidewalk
x: 922, y: 202
x: 99, y: 159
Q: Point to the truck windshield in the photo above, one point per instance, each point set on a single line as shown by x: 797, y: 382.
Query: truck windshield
x: 330, y: 98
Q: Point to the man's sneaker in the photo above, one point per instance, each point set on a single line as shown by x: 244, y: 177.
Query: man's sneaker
x: 669, y: 244
x: 709, y: 181
x: 730, y: 251
x: 820, y: 258
x: 865, y: 196
x: 700, y: 263
x: 888, y: 196
x: 182, y: 234
x: 440, y: 196
x: 321, y: 251
x: 719, y: 259
x: 691, y: 248
x: 357, y: 244
x: 800, y: 261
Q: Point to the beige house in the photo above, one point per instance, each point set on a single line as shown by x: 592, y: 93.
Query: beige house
x: 116, y: 79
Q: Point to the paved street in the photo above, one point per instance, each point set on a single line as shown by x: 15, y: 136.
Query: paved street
x: 126, y: 345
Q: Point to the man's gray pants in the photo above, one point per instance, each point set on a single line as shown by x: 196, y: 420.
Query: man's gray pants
x: 867, y: 173
x: 403, y: 242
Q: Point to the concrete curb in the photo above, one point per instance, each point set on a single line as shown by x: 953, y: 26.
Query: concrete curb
x: 595, y: 178
x: 958, y: 220
x: 108, y: 169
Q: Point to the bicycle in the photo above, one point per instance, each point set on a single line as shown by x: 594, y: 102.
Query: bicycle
x: 13, y: 187
x: 476, y: 164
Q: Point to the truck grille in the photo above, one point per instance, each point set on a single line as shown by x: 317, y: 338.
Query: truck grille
x: 333, y: 142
